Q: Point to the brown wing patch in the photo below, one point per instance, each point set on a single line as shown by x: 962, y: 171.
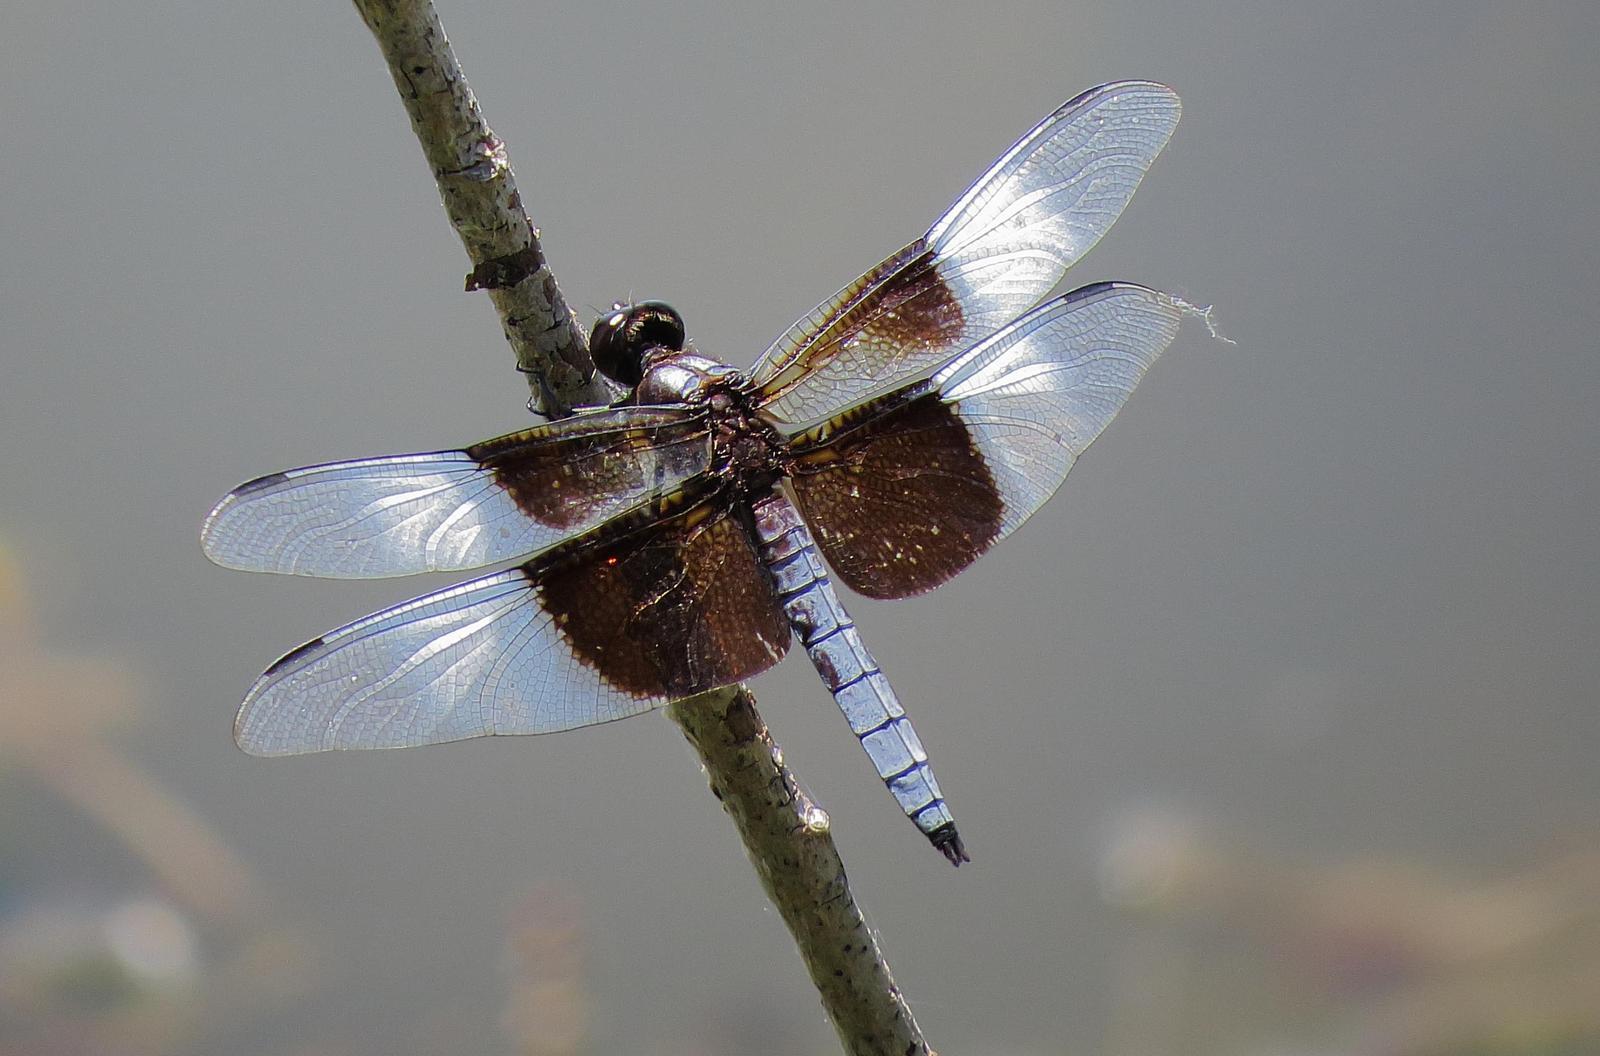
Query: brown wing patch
x: 677, y: 608
x: 895, y: 320
x: 570, y: 480
x: 900, y: 503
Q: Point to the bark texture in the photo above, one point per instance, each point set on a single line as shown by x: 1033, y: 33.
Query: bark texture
x: 789, y: 842
x: 480, y: 196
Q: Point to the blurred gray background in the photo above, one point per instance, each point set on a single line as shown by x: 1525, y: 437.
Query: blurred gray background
x: 1323, y: 596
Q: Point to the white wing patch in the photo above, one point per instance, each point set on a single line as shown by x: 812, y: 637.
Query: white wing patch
x: 1036, y: 394
x: 473, y: 660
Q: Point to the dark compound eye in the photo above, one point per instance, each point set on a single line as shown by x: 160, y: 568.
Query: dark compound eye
x: 620, y: 340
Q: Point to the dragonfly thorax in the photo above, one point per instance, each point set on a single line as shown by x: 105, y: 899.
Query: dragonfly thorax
x: 747, y: 449
x: 641, y: 345
x: 684, y: 377
x: 746, y: 445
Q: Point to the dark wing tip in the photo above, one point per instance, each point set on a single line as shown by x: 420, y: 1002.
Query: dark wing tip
x: 212, y: 535
x: 1154, y: 87
x: 250, y: 487
x: 247, y: 741
x: 292, y: 655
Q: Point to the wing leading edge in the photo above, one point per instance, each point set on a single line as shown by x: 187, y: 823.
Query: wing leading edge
x: 450, y: 510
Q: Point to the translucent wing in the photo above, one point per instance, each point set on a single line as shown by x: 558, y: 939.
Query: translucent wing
x: 1003, y: 245
x: 574, y: 639
x: 449, y: 510
x: 904, y: 493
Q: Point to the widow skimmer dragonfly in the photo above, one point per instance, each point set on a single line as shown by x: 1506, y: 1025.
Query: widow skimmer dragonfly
x: 674, y: 541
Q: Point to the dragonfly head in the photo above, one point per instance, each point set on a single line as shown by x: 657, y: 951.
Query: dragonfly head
x: 622, y: 338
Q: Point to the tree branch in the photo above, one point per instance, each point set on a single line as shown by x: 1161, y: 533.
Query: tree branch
x: 786, y: 836
x: 789, y: 842
x: 480, y: 196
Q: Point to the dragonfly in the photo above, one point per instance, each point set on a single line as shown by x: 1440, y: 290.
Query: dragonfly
x: 681, y: 538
